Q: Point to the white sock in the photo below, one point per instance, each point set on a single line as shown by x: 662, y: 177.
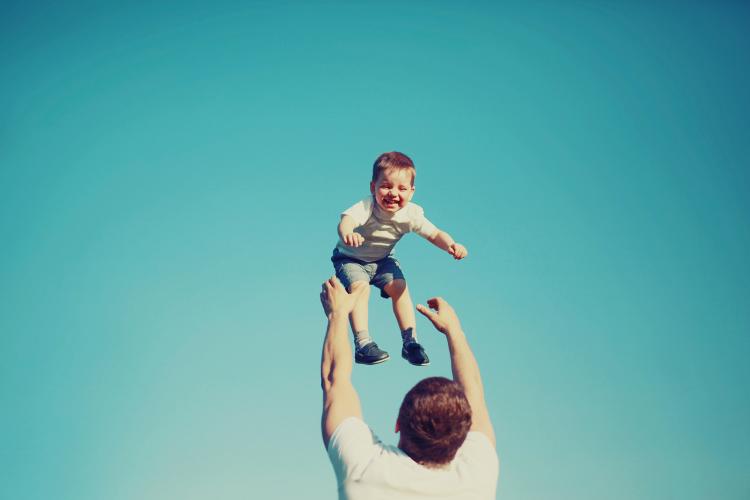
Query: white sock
x: 362, y: 338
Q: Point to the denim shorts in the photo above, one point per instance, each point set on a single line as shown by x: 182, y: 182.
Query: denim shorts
x: 378, y: 273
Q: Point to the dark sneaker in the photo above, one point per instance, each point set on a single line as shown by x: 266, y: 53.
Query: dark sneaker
x: 414, y: 354
x: 370, y: 354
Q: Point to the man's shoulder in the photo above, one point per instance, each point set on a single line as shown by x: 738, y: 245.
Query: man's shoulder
x: 352, y: 447
x: 476, y: 438
x: 352, y: 432
x: 349, y: 425
x: 478, y: 451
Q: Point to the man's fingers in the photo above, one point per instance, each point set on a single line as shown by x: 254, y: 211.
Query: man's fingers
x: 435, y: 302
x: 332, y: 284
x: 427, y: 313
x: 433, y: 316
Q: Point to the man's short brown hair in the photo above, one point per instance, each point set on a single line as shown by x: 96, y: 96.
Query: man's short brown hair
x: 393, y: 160
x: 434, y: 420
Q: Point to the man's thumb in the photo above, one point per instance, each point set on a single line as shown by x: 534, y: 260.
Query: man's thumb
x: 426, y: 312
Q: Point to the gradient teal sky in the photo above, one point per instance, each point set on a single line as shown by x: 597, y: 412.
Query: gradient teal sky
x: 170, y: 182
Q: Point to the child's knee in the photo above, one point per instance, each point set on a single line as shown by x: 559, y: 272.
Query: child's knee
x: 360, y: 284
x: 395, y: 288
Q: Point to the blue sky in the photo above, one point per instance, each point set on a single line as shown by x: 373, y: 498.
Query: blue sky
x: 171, y: 178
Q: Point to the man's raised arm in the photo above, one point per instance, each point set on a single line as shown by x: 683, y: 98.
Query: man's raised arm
x: 464, y: 365
x: 340, y: 399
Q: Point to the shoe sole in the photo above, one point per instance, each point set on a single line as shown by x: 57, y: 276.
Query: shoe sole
x: 416, y: 364
x: 372, y: 362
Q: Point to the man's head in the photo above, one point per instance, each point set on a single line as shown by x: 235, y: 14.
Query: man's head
x: 434, y: 419
x: 392, y: 183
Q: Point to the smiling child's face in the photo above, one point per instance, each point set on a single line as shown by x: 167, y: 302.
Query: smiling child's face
x: 393, y: 189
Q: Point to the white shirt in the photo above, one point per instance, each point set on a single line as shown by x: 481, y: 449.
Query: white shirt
x: 366, y: 469
x: 382, y: 230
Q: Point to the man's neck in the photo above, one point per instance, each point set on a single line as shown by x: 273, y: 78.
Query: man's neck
x: 427, y: 465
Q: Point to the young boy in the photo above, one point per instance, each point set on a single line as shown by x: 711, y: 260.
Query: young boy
x: 368, y: 231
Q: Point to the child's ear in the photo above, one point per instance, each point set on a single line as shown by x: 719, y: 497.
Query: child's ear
x: 372, y: 187
x: 397, y: 429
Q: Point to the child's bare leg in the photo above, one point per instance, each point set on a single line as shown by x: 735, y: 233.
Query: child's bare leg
x: 358, y: 318
x: 367, y: 352
x: 404, y: 311
x: 402, y: 305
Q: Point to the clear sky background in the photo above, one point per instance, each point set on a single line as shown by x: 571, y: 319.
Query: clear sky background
x: 171, y: 178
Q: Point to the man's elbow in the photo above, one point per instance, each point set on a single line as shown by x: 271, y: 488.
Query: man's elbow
x: 326, y: 380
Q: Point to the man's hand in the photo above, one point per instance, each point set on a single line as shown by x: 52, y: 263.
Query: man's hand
x: 353, y: 239
x: 335, y: 298
x: 444, y: 317
x: 458, y: 251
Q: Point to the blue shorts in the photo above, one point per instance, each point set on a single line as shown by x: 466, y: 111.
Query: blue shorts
x: 378, y: 273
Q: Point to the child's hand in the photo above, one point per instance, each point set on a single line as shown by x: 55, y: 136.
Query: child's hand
x: 458, y: 251
x: 353, y: 239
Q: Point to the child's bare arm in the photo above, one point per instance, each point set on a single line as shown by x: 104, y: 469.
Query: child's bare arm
x: 443, y: 241
x: 347, y: 234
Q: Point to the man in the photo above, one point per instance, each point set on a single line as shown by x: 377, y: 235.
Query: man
x: 446, y: 444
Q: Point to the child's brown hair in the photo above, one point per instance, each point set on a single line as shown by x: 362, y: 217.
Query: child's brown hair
x: 393, y: 160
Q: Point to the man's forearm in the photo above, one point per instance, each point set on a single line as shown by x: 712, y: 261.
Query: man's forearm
x: 465, y: 367
x: 466, y: 372
x: 337, y: 353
